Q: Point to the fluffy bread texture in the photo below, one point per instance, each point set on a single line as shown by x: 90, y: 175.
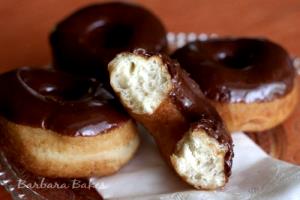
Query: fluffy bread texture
x: 144, y: 92
x: 47, y: 153
x: 141, y: 83
x: 199, y: 159
x: 259, y: 116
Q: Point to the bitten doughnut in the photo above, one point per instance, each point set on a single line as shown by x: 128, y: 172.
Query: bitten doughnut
x: 87, y: 40
x: 56, y: 125
x: 251, y: 82
x: 188, y: 131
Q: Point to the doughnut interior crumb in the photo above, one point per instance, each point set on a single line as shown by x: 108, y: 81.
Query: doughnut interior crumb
x: 199, y: 159
x: 142, y: 83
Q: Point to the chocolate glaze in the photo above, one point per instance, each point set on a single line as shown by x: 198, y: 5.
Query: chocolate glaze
x: 197, y: 111
x: 59, y: 102
x: 85, y: 42
x: 192, y: 104
x: 238, y: 70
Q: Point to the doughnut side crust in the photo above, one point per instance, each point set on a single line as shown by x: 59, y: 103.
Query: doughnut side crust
x: 165, y: 122
x: 258, y: 116
x: 47, y: 153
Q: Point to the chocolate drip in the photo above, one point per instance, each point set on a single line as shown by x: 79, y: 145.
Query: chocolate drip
x: 59, y: 102
x: 238, y: 70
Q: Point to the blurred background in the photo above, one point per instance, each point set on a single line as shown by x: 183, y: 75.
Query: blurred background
x: 25, y: 25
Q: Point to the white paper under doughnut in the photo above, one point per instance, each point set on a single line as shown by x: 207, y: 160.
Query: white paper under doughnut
x: 255, y: 175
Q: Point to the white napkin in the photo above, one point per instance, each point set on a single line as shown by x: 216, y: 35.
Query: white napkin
x: 255, y: 175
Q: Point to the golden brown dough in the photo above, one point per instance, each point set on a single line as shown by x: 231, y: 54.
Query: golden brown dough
x: 258, y: 116
x: 251, y: 81
x: 51, y: 154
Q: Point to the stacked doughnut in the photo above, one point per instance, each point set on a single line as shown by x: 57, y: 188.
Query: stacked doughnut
x: 85, y: 42
x: 251, y: 82
x: 57, y: 125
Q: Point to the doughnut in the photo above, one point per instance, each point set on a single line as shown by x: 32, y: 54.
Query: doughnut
x: 57, y: 125
x: 251, y: 82
x: 85, y: 42
x: 187, y: 129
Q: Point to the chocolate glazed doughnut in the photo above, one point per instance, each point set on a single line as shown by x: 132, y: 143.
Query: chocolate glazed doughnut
x: 86, y: 41
x: 251, y: 82
x: 189, y: 132
x: 56, y: 125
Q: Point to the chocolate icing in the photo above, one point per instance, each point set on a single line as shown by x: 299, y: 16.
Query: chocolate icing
x: 59, y: 102
x: 238, y: 70
x: 191, y: 102
x: 85, y: 42
x: 197, y: 111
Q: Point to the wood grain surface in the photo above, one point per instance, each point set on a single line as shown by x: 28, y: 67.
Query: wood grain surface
x: 25, y: 26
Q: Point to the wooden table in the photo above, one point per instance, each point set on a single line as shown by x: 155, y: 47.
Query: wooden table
x: 25, y: 26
